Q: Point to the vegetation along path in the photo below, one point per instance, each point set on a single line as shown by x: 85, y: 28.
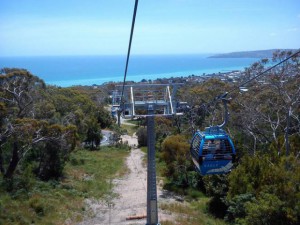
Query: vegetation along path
x: 128, y: 198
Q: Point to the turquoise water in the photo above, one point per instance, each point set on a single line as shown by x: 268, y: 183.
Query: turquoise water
x: 88, y: 70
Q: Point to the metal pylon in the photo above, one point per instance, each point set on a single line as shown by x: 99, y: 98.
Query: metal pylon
x: 152, y: 213
x: 148, y: 100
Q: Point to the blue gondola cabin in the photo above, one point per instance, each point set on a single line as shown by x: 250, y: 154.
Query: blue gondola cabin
x: 212, y: 151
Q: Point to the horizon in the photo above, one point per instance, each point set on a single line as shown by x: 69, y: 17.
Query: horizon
x: 170, y: 27
x: 150, y: 54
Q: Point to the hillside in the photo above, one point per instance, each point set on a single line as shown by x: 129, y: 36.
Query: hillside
x: 53, y: 169
x: 250, y: 54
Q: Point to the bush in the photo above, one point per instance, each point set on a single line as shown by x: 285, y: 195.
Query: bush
x: 268, y: 209
x: 142, y: 136
x: 175, y: 153
x: 237, y: 206
x: 216, y: 186
x: 52, y: 164
x: 217, y: 207
x: 265, y: 192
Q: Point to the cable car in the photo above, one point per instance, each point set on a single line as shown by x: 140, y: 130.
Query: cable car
x: 212, y: 151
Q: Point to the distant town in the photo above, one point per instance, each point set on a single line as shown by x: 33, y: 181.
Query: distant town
x: 230, y: 76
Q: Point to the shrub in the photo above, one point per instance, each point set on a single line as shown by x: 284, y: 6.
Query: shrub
x: 217, y: 207
x: 175, y: 153
x: 216, y: 186
x: 142, y: 136
x: 265, y: 192
x: 268, y: 209
x: 237, y: 206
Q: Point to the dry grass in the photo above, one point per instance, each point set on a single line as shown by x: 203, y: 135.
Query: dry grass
x: 190, y: 213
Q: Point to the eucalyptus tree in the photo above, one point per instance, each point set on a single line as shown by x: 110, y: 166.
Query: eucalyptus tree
x: 23, y: 128
x: 270, y: 109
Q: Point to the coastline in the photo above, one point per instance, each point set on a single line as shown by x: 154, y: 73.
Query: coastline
x: 224, y: 75
x: 96, y: 70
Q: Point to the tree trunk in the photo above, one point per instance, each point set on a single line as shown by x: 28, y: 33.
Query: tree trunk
x: 13, y: 162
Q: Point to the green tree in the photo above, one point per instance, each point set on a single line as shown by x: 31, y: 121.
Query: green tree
x: 199, y: 97
x: 273, y: 186
x: 175, y: 153
x: 29, y: 134
x: 93, y: 137
x: 19, y: 90
x: 270, y: 109
x: 104, y: 118
x: 54, y: 151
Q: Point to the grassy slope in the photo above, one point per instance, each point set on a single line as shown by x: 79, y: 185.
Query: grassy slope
x: 190, y: 213
x: 86, y: 176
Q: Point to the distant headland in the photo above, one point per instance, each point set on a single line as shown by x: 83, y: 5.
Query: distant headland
x: 250, y: 54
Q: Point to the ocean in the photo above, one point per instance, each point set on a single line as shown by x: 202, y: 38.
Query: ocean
x: 67, y: 71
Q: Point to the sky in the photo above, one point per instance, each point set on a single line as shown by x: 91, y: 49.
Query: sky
x: 102, y: 27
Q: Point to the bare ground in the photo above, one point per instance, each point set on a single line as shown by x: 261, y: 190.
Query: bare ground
x: 129, y: 195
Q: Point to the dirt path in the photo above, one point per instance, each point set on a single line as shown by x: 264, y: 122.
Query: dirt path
x: 124, y: 121
x: 130, y: 194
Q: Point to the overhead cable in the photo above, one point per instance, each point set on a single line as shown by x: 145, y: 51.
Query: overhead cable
x: 129, y: 47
